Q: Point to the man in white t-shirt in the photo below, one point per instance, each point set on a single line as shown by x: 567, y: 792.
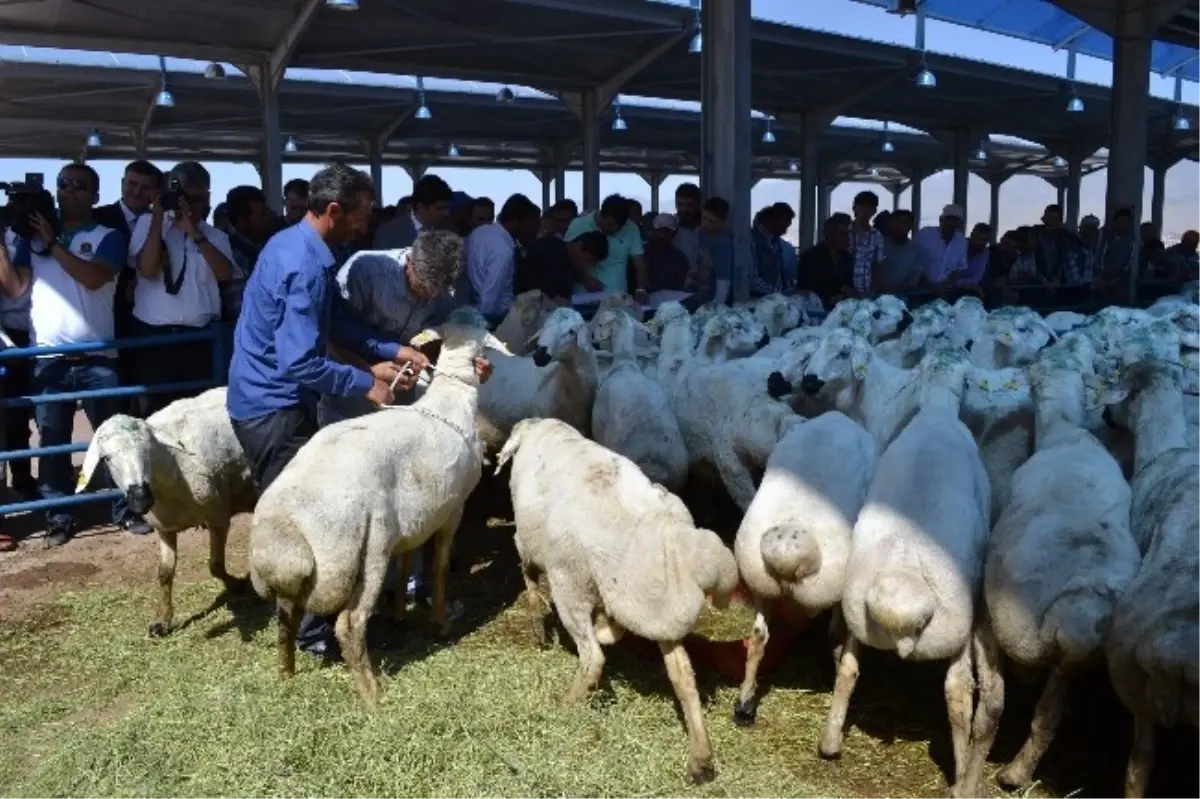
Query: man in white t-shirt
x: 70, y: 274
x: 179, y: 260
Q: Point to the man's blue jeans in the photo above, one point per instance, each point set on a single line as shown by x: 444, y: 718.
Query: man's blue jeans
x: 56, y: 422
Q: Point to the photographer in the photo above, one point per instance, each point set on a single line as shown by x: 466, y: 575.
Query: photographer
x: 180, y: 258
x: 71, y: 279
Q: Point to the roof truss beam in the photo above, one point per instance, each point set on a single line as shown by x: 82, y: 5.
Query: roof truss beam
x: 606, y: 92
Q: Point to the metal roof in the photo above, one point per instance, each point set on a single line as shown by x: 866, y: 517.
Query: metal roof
x: 49, y: 109
x: 564, y: 45
x: 1046, y: 23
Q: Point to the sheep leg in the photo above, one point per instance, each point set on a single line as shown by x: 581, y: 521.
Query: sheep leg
x: 443, y: 538
x: 1141, y: 758
x: 289, y: 621
x: 218, y: 536
x: 167, y: 543
x: 400, y: 601
x: 990, y: 677
x: 837, y: 633
x: 576, y: 618
x: 960, y: 705
x: 746, y: 708
x: 533, y: 600
x: 843, y: 689
x: 351, y: 630
x: 683, y: 680
x: 1046, y: 717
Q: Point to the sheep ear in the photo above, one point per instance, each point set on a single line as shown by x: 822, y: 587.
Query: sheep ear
x: 1099, y: 392
x: 90, y: 461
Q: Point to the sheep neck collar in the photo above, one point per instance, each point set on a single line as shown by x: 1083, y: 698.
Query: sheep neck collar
x: 435, y: 416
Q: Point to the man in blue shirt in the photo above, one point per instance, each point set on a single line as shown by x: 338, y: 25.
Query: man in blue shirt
x: 280, y: 366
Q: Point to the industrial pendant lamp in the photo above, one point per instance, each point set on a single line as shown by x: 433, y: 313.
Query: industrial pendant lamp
x: 505, y: 95
x: 164, y: 98
x: 618, y: 120
x: 93, y: 139
x: 696, y: 45
x: 768, y: 136
x: 423, y: 111
x: 887, y: 145
x: 289, y: 146
x: 342, y: 5
x: 452, y: 150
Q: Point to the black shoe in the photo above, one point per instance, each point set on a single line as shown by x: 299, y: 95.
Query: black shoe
x: 327, y: 650
x: 136, y: 525
x: 59, y: 534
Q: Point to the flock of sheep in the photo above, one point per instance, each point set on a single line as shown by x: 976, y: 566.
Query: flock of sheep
x: 998, y: 491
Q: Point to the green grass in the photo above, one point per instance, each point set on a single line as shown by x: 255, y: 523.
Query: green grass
x: 90, y: 705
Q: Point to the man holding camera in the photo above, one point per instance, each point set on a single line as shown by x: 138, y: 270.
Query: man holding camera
x: 69, y: 268
x: 179, y: 260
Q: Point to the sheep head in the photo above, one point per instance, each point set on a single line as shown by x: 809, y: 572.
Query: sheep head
x: 565, y: 332
x: 989, y: 389
x: 889, y: 317
x: 729, y: 334
x: 792, y: 364
x: 1150, y: 357
x: 842, y: 358
x: 527, y: 306
x: 125, y: 445
x: 1021, y: 330
x: 943, y: 375
x: 777, y: 314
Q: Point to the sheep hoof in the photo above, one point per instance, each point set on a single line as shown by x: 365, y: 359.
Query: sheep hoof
x: 745, y: 712
x: 159, y: 629
x: 703, y: 773
x: 1012, y: 778
x: 831, y: 750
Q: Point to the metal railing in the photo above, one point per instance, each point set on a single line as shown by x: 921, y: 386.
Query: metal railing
x: 216, y: 333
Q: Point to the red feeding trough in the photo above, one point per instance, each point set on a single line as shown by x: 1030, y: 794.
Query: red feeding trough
x: 728, y: 658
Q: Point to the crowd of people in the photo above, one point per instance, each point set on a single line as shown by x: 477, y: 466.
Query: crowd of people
x: 308, y: 347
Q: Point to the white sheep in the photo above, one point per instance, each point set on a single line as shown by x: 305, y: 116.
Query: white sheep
x: 559, y: 381
x: 361, y: 491
x: 632, y: 413
x: 1061, y: 554
x: 620, y: 553
x: 997, y: 408
x: 845, y: 373
x: 526, y: 315
x: 794, y: 541
x: 1151, y: 650
x: 182, y: 467
x: 1011, y: 336
x: 915, y: 566
x: 729, y: 422
x: 778, y: 314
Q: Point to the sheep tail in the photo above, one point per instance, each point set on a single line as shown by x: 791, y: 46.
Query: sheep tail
x: 902, y: 603
x: 1166, y: 654
x: 513, y: 443
x: 1079, y: 620
x: 281, y: 560
x: 790, y: 553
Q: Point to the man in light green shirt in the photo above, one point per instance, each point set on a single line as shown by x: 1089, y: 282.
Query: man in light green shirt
x: 624, y: 245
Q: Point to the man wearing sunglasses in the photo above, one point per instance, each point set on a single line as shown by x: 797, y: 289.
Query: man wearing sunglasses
x: 180, y: 259
x: 70, y: 271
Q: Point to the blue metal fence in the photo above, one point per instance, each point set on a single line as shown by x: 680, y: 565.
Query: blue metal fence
x: 217, y: 334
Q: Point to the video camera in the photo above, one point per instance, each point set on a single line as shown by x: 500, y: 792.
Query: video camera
x: 173, y: 195
x: 24, y: 200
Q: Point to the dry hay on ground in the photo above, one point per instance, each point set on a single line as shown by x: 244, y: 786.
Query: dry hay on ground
x: 90, y: 705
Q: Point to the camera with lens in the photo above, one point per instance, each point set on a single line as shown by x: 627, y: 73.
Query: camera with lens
x: 170, y: 199
x: 24, y: 200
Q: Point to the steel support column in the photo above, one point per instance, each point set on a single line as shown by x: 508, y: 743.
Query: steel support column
x: 962, y: 169
x: 918, y: 177
x: 560, y: 172
x: 1158, y: 197
x: 810, y: 181
x: 591, y: 150
x: 545, y: 176
x: 1074, y: 179
x: 994, y: 184
x: 1130, y: 105
x: 271, y: 155
x: 824, y: 200
x: 725, y: 116
x: 376, y: 156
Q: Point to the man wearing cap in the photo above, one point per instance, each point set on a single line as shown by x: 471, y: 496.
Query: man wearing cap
x: 944, y: 248
x: 666, y: 267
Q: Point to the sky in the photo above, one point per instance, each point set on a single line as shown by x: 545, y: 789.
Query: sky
x: 1022, y: 197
